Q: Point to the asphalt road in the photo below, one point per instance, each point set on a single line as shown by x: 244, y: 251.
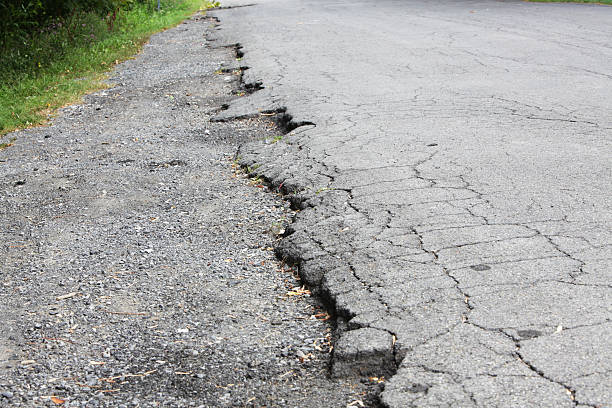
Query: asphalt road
x: 452, y: 161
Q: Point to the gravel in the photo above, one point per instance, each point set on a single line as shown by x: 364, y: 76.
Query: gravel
x: 138, y: 268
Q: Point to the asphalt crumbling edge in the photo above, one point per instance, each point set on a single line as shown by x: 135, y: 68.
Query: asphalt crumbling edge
x: 359, y: 350
x: 286, y: 167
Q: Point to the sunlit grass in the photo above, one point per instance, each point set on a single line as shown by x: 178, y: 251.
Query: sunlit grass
x: 61, y: 66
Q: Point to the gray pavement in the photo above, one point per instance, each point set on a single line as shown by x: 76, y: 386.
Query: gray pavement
x: 452, y: 163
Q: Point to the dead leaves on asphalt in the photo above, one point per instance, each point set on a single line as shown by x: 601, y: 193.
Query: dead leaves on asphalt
x: 321, y: 316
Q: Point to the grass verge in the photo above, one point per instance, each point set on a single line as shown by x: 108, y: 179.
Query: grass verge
x: 61, y: 63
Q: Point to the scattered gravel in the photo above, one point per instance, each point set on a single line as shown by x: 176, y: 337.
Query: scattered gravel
x: 137, y: 263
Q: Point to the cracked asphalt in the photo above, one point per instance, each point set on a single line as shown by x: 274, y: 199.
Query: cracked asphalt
x: 451, y: 161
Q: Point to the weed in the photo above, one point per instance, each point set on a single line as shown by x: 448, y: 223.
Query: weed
x: 251, y: 169
x: 277, y: 138
x: 257, y: 181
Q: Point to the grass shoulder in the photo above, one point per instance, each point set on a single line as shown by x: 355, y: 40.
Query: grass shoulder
x: 69, y: 58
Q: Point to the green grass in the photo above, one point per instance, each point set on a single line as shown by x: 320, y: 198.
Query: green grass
x: 58, y: 66
x: 574, y: 1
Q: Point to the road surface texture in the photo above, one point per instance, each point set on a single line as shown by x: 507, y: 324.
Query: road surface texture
x: 452, y: 163
x: 137, y: 270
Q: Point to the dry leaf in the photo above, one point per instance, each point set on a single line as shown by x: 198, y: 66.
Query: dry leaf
x: 56, y: 400
x: 298, y: 292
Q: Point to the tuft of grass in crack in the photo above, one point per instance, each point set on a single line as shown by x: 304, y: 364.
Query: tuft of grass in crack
x: 257, y: 181
x: 277, y: 138
x: 58, y: 64
x: 251, y: 169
